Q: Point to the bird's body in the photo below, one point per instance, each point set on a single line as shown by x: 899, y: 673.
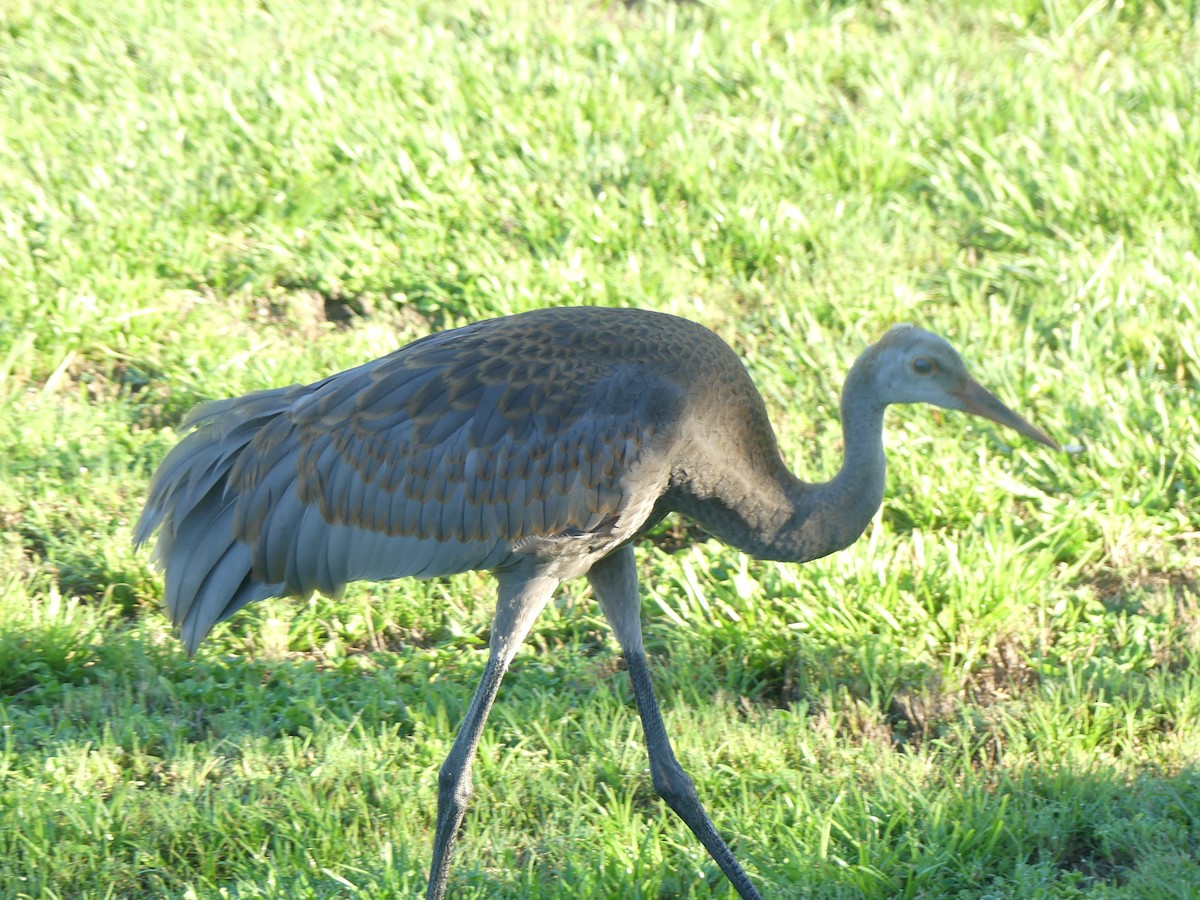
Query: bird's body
x: 556, y: 435
x: 536, y: 446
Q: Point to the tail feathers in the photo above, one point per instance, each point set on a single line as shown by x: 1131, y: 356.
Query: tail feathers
x: 208, y: 569
x: 221, y: 429
x: 209, y: 572
x: 227, y: 588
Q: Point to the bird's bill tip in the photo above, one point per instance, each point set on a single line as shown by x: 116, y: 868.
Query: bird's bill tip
x: 980, y: 401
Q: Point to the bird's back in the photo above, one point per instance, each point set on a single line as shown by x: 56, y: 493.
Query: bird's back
x: 549, y: 433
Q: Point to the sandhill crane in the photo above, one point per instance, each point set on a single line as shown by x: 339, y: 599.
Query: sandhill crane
x: 538, y: 446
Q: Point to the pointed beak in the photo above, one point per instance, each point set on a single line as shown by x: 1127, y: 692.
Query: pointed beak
x: 979, y: 400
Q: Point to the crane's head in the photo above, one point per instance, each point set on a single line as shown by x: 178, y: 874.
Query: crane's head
x: 911, y: 365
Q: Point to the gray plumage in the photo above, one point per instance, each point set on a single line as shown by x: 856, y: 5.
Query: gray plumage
x: 537, y: 446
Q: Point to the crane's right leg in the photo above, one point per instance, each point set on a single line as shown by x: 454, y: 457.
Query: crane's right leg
x: 614, y: 579
x: 521, y: 597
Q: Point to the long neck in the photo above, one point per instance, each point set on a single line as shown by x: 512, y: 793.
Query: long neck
x: 843, y: 506
x: 764, y: 510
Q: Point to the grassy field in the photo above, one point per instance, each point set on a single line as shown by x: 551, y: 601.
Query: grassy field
x: 996, y: 693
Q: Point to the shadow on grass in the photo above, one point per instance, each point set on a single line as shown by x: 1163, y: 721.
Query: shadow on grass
x: 216, y: 771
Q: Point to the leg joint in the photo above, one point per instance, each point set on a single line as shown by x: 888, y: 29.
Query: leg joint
x: 454, y: 781
x: 674, y: 785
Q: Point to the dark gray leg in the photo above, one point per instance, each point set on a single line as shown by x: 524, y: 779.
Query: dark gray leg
x: 614, y: 580
x: 521, y: 598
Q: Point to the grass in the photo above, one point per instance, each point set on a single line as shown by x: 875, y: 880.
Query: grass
x: 993, y: 694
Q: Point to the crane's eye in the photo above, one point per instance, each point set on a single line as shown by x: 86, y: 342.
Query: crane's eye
x: 923, y: 365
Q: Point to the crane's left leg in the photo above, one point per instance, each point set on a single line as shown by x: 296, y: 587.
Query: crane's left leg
x: 614, y: 580
x: 521, y: 597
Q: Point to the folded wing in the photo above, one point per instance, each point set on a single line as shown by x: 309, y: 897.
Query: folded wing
x: 446, y: 456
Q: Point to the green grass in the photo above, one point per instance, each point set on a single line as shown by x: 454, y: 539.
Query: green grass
x: 996, y: 693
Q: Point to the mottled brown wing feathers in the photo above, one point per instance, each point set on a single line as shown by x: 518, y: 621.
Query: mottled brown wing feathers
x: 445, y: 456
